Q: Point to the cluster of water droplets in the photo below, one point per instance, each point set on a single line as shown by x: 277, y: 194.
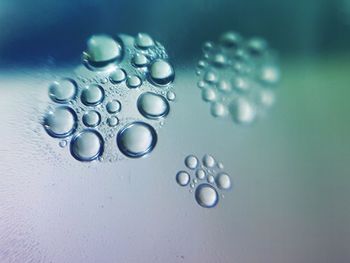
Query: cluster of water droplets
x: 237, y: 77
x: 206, y: 178
x: 115, y: 102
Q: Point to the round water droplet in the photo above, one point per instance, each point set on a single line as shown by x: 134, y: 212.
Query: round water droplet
x: 139, y: 60
x: 208, y: 47
x: 182, y: 178
x: 171, y: 96
x: 211, y: 179
x: 91, y: 118
x: 267, y: 98
x: 219, y: 60
x: 133, y: 81
x: 218, y: 109
x: 200, y: 174
x: 144, y: 40
x: 152, y: 105
x: 161, y: 72
x: 60, y: 122
x: 87, y: 145
x: 118, y: 75
x: 113, y: 106
x: 208, y: 161
x: 201, y: 64
x: 224, y: 86
x: 241, y: 84
x: 112, y: 121
x: 102, y: 50
x: 223, y: 181
x: 230, y: 39
x: 242, y: 111
x: 257, y: 46
x: 191, y: 162
x: 63, y: 91
x: 92, y: 95
x: 206, y: 196
x: 210, y: 77
x: 137, y: 139
x: 62, y: 144
x: 209, y: 94
x: 270, y: 75
x: 220, y: 166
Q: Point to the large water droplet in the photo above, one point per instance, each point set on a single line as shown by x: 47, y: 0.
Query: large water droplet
x: 208, y: 161
x: 133, y: 82
x: 92, y: 95
x: 113, y: 106
x: 144, y: 40
x: 223, y: 181
x: 63, y: 91
x: 60, y: 122
x: 206, y: 196
x: 152, y: 106
x: 87, y: 145
x: 118, y: 75
x: 91, y: 118
x: 182, y: 178
x: 161, y: 72
x: 137, y: 139
x: 191, y: 162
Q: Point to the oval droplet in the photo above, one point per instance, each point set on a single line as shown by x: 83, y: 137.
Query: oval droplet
x: 60, y: 122
x: 91, y: 118
x: 144, y: 40
x: 171, y: 96
x: 139, y: 60
x: 223, y: 181
x: 112, y: 121
x: 218, y: 109
x: 133, y: 82
x: 208, y: 161
x: 161, y: 72
x: 92, y: 95
x: 242, y: 111
x: 209, y: 94
x: 183, y: 178
x: 87, y: 145
x: 63, y: 91
x: 152, y: 105
x: 191, y: 162
x: 206, y: 196
x: 117, y: 76
x: 200, y: 174
x: 113, y: 106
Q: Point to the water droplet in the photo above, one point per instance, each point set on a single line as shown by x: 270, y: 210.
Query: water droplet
x: 60, y: 122
x: 137, y: 139
x: 161, y: 72
x: 112, y: 121
x: 192, y: 185
x: 182, y: 178
x: 209, y: 94
x: 201, y: 64
x: 118, y: 75
x: 206, y: 196
x: 270, y: 74
x: 152, y: 105
x: 63, y: 91
x: 201, y: 84
x: 133, y: 81
x: 211, y: 179
x: 87, y: 145
x: 171, y: 96
x: 241, y: 84
x: 230, y: 39
x: 92, y: 95
x: 223, y: 181
x: 139, y: 60
x: 200, y: 173
x: 218, y: 109
x: 191, y: 162
x: 195, y: 181
x: 220, y: 165
x: 208, y: 47
x: 102, y: 50
x: 62, y: 144
x: 219, y: 60
x: 257, y: 46
x: 267, y: 98
x: 242, y: 111
x: 208, y: 161
x: 224, y: 86
x: 210, y: 77
x: 91, y: 118
x: 144, y: 40
x: 113, y: 106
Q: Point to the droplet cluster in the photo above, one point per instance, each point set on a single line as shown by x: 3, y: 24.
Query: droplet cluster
x: 115, y: 101
x: 237, y: 77
x: 206, y: 178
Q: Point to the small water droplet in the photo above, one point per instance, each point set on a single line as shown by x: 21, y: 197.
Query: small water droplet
x: 112, y: 121
x: 92, y: 95
x: 139, y: 60
x: 60, y: 122
x: 91, y: 118
x: 210, y: 77
x: 182, y: 178
x: 223, y: 181
x: 161, y: 72
x: 133, y: 81
x: 63, y: 91
x: 118, y: 75
x: 171, y: 96
x: 191, y: 162
x: 113, y: 106
x: 208, y: 161
x: 87, y: 145
x: 270, y: 74
x: 218, y: 109
x: 210, y: 179
x: 206, y: 196
x: 200, y: 174
x: 144, y: 40
x: 230, y: 40
x: 209, y: 94
x: 242, y: 111
x: 62, y: 144
x: 224, y: 86
x: 152, y: 105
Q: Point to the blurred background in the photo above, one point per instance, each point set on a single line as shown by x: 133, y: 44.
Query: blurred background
x: 291, y: 171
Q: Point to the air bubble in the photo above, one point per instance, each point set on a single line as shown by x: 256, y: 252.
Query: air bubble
x: 223, y: 181
x: 191, y: 162
x: 87, y: 145
x: 206, y: 196
x: 92, y: 95
x: 200, y: 174
x: 208, y: 161
x: 139, y: 60
x: 60, y: 122
x: 161, y: 72
x: 133, y: 81
x: 152, y: 106
x: 113, y: 106
x: 112, y: 121
x: 63, y: 91
x: 137, y: 139
x: 91, y: 118
x: 118, y: 75
x: 182, y: 178
x: 144, y: 40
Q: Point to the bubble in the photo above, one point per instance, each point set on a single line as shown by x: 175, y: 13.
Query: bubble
x: 211, y: 179
x: 133, y: 81
x: 218, y: 109
x: 112, y: 121
x: 92, y: 95
x: 91, y: 118
x: 139, y: 60
x: 161, y: 72
x: 208, y: 161
x: 152, y: 105
x: 113, y: 106
x: 223, y: 181
x: 242, y: 111
x: 144, y: 40
x: 206, y: 196
x: 200, y: 174
x: 209, y: 94
x: 171, y: 96
x: 191, y: 162
x: 60, y: 122
x: 102, y: 50
x: 63, y: 91
x: 182, y: 178
x: 87, y: 145
x: 137, y: 139
x: 230, y: 39
x: 224, y: 86
x: 118, y: 75
x: 210, y: 77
